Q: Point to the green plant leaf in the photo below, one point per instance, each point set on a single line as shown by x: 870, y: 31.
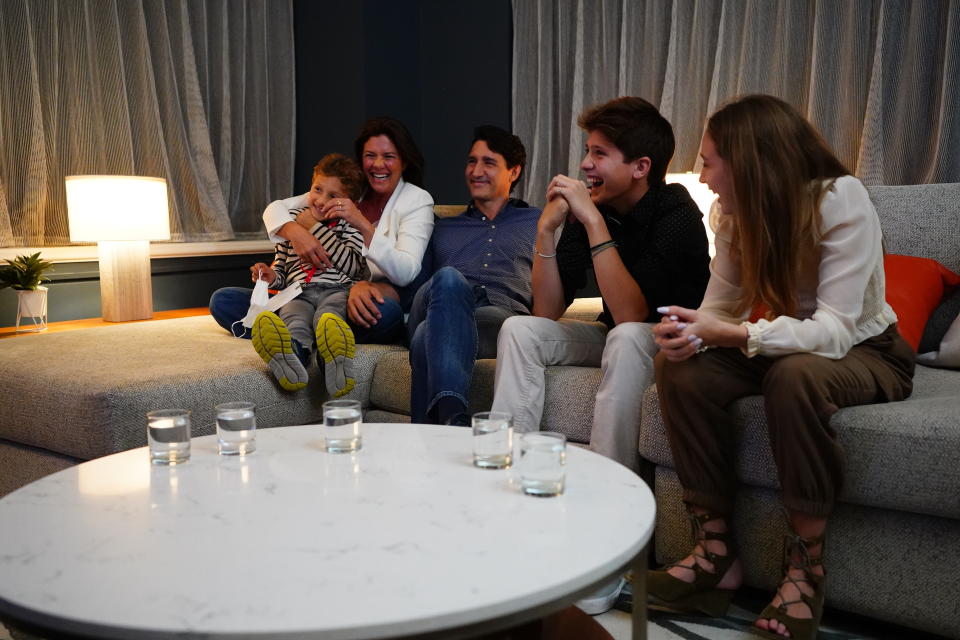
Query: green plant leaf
x: 25, y: 272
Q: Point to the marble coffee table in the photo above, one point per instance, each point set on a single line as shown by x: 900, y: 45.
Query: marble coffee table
x: 405, y: 537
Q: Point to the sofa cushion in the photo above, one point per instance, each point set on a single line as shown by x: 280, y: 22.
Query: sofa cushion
x: 568, y: 399
x: 920, y: 220
x: 85, y: 393
x: 948, y: 353
x: 391, y: 384
x: 914, y: 288
x: 940, y: 321
x: 570, y: 395
x: 900, y: 455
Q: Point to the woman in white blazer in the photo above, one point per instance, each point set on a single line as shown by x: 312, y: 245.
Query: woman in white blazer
x: 395, y: 216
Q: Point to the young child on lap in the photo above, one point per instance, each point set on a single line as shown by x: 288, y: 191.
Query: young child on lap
x: 314, y: 319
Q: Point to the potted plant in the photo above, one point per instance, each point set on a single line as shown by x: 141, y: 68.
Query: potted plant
x: 25, y: 274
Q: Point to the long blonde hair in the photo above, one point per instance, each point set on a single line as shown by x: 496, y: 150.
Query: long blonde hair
x: 779, y: 168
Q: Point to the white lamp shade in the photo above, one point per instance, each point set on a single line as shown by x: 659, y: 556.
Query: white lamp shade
x: 108, y: 208
x: 702, y: 195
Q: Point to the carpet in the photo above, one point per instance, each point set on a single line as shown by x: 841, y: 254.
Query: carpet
x: 734, y: 626
x: 836, y: 625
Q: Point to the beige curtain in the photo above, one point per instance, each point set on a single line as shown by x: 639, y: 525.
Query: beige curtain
x: 879, y: 78
x: 200, y: 93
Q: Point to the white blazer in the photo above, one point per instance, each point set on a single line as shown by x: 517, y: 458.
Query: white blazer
x: 399, y: 240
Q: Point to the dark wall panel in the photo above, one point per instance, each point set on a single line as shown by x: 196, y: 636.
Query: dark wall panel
x: 392, y: 74
x: 466, y: 62
x: 441, y: 67
x: 329, y: 48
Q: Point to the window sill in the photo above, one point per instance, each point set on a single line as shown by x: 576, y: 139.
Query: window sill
x: 87, y: 253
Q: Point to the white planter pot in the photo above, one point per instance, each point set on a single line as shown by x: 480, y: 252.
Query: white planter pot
x: 32, y: 305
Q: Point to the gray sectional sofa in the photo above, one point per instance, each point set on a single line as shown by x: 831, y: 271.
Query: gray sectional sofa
x: 891, y: 546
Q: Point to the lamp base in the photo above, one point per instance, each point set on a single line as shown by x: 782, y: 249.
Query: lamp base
x: 126, y: 292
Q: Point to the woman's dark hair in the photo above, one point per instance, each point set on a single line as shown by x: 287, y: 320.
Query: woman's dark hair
x: 400, y: 137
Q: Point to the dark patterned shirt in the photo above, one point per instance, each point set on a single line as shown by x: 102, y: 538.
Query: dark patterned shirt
x: 495, y: 255
x: 662, y: 243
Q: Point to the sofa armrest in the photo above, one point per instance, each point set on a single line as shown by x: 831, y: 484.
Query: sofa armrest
x: 365, y: 367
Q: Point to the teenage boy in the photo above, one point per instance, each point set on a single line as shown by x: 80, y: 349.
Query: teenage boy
x: 478, y: 264
x: 646, y: 244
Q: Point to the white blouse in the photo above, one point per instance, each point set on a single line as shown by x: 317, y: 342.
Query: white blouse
x: 841, y: 298
x: 399, y: 240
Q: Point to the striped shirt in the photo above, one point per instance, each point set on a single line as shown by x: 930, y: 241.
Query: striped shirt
x: 343, y: 244
x: 495, y: 255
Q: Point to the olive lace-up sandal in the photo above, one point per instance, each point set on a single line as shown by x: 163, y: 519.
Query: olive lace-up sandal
x: 810, y: 585
x: 702, y: 595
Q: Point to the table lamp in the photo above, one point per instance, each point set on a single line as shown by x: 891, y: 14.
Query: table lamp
x: 701, y: 194
x: 122, y: 214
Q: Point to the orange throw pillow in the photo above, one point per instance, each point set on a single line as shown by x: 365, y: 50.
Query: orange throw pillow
x: 915, y: 287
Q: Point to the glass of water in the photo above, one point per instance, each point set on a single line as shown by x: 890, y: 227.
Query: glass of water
x: 341, y: 425
x: 543, y: 455
x: 236, y: 428
x: 492, y: 440
x: 168, y: 435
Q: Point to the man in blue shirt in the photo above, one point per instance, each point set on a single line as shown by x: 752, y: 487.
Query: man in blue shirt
x: 478, y: 264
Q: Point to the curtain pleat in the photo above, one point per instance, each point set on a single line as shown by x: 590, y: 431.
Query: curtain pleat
x: 200, y: 93
x: 879, y: 78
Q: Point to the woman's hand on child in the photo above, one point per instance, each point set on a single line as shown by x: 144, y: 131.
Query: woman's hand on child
x: 345, y: 209
x: 307, y: 247
x: 362, y: 304
x: 262, y: 271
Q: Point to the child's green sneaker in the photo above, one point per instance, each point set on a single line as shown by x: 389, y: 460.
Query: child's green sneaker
x: 335, y: 350
x: 272, y: 341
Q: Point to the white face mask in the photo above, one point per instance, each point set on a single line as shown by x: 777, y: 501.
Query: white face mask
x: 261, y: 301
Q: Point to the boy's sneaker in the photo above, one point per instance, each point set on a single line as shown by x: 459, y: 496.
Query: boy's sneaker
x: 272, y: 341
x: 335, y: 351
x: 603, y: 599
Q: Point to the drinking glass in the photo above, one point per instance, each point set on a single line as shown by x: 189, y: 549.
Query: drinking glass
x: 168, y: 435
x: 543, y: 455
x: 341, y: 425
x: 492, y: 439
x: 236, y: 428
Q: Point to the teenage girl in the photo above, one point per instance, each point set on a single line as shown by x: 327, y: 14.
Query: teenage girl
x: 798, y: 237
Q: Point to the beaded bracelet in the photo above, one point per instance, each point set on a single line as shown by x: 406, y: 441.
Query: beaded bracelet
x: 603, y: 246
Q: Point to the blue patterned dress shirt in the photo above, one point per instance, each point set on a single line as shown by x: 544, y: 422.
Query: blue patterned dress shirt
x: 495, y: 255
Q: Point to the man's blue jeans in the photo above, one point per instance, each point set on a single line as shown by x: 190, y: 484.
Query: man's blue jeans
x: 448, y: 319
x: 229, y: 305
